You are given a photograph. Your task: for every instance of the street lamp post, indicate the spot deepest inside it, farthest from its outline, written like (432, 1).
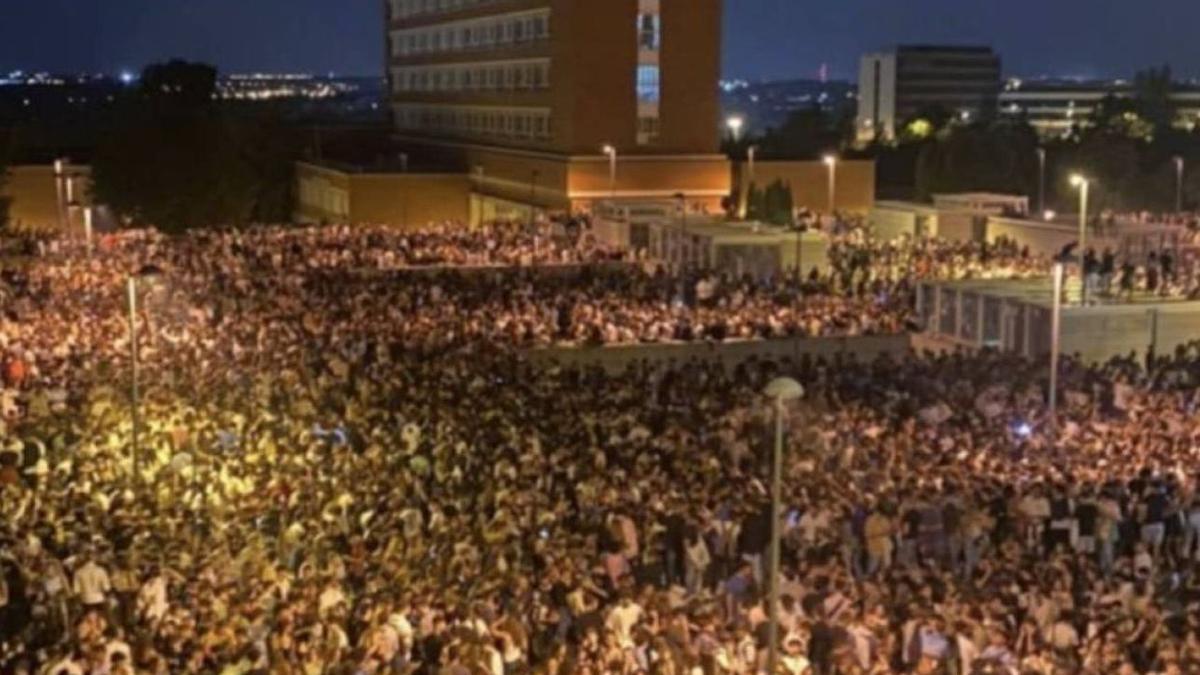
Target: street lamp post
(59, 189)
(1178, 184)
(831, 162)
(404, 192)
(611, 152)
(135, 404)
(748, 182)
(1055, 337)
(1041, 155)
(780, 390)
(1083, 185)
(533, 179)
(87, 229)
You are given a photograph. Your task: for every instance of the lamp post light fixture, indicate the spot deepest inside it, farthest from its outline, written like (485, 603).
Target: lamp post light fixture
(735, 124)
(1178, 184)
(781, 390)
(1082, 184)
(1041, 155)
(87, 228)
(1055, 339)
(150, 275)
(59, 192)
(831, 162)
(611, 152)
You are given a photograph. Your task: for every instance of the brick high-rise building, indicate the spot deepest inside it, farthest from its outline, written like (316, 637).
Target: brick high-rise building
(540, 100)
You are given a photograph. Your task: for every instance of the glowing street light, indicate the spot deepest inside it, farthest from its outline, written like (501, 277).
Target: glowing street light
(831, 161)
(1041, 155)
(1178, 184)
(611, 152)
(735, 124)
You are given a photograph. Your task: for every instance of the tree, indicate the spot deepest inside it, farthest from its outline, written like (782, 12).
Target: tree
(1118, 116)
(1152, 89)
(170, 158)
(754, 203)
(927, 122)
(996, 157)
(179, 87)
(806, 134)
(776, 204)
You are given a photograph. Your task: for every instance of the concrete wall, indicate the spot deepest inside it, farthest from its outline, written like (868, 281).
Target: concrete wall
(617, 357)
(855, 189)
(703, 179)
(1100, 333)
(690, 59)
(956, 226)
(35, 197)
(404, 200)
(594, 56)
(1043, 238)
(410, 200)
(892, 222)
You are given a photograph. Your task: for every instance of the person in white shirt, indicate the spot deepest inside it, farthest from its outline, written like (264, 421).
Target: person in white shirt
(621, 620)
(696, 562)
(91, 584)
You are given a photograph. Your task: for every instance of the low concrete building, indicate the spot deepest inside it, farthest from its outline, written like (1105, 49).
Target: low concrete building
(1016, 316)
(986, 217)
(661, 231)
(332, 193)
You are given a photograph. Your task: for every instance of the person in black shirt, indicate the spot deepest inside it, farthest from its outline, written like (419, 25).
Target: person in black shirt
(1108, 267)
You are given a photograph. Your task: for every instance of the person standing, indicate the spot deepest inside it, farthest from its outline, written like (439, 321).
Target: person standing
(91, 584)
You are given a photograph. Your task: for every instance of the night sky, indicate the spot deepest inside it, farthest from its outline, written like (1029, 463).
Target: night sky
(764, 38)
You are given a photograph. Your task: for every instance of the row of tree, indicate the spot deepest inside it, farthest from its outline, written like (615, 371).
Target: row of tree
(773, 204)
(1130, 145)
(173, 155)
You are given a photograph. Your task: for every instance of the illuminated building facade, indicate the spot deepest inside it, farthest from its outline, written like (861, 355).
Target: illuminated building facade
(540, 100)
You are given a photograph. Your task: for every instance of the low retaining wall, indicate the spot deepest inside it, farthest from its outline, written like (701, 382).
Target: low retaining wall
(553, 271)
(615, 358)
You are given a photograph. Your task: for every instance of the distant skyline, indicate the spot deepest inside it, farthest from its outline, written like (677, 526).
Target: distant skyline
(764, 39)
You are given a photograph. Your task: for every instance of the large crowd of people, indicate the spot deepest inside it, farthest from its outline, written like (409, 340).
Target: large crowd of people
(338, 470)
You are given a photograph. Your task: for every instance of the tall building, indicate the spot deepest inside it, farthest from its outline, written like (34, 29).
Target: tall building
(896, 86)
(560, 104)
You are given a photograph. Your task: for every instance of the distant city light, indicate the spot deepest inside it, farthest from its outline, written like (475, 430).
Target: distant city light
(126, 77)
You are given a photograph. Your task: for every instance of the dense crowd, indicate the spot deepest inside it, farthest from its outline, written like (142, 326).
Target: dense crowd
(339, 472)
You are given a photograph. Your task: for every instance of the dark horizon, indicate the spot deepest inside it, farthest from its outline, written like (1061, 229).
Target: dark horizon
(764, 39)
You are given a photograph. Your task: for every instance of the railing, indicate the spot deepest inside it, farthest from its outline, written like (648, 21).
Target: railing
(615, 358)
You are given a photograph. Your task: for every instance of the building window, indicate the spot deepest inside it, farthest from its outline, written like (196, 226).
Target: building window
(482, 33)
(649, 32)
(516, 75)
(648, 88)
(522, 123)
(647, 132)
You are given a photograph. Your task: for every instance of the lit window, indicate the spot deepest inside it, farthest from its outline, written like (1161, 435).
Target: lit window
(648, 88)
